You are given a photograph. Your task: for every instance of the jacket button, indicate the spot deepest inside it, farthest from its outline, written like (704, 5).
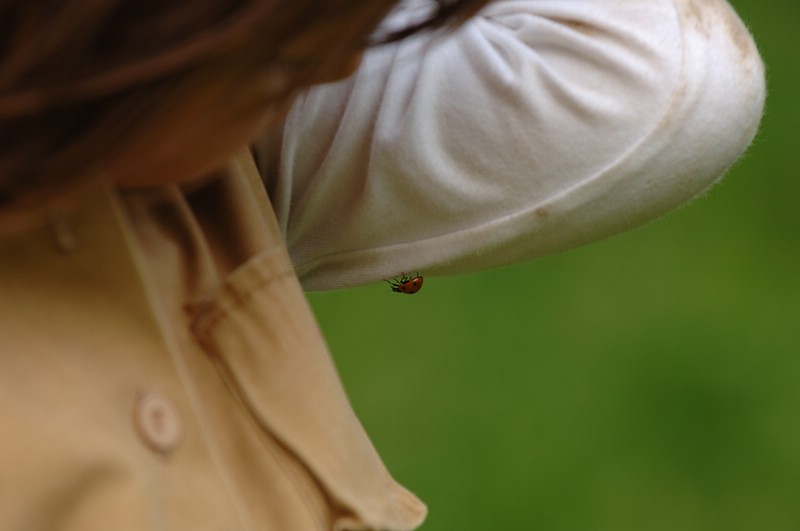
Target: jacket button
(157, 422)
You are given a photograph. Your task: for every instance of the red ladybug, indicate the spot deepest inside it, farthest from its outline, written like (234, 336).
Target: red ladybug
(408, 284)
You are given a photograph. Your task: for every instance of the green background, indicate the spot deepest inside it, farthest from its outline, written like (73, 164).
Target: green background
(647, 382)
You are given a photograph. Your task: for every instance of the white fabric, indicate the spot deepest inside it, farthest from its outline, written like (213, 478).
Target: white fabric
(538, 126)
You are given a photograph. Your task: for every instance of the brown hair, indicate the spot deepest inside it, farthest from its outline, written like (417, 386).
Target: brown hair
(90, 88)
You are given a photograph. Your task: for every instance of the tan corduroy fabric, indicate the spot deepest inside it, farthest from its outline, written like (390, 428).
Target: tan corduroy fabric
(160, 369)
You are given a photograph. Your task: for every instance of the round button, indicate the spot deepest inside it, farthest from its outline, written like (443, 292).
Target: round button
(157, 422)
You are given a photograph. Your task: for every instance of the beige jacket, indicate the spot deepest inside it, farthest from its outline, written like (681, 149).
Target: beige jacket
(160, 369)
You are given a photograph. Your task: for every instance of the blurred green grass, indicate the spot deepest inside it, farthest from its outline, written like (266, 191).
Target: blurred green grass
(648, 382)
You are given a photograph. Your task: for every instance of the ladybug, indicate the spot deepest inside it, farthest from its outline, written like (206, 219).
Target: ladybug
(408, 284)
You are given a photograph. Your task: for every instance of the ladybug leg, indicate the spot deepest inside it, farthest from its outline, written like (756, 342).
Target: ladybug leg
(405, 278)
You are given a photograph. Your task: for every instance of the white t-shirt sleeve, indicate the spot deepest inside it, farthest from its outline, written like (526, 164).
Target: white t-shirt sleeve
(538, 126)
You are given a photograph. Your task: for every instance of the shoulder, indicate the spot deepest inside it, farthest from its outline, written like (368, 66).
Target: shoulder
(538, 126)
